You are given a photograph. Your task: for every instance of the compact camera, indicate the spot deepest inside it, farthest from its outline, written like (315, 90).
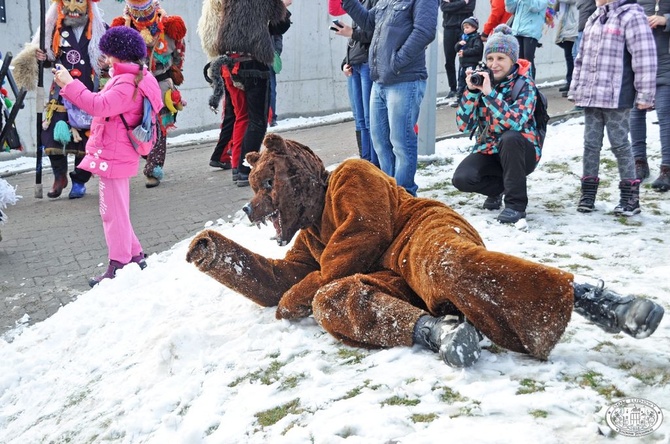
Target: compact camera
(476, 78)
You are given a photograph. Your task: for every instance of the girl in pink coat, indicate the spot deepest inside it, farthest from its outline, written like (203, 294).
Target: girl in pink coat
(109, 152)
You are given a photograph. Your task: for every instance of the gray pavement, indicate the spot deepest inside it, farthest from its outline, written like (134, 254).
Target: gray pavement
(51, 246)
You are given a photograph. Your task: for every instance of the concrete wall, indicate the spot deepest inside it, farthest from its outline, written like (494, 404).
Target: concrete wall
(310, 83)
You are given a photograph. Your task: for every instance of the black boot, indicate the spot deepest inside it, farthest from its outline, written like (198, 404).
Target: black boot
(360, 144)
(457, 342)
(60, 182)
(629, 202)
(587, 200)
(637, 317)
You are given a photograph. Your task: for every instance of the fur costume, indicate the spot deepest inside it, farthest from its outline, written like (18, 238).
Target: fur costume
(166, 48)
(369, 259)
(25, 65)
(208, 26)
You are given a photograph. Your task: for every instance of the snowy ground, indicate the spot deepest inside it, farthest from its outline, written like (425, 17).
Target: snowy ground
(168, 355)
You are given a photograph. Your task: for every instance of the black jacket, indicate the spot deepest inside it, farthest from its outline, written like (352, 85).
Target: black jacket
(359, 43)
(455, 11)
(473, 50)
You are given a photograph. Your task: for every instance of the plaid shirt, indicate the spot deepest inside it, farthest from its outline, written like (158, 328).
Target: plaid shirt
(616, 65)
(489, 116)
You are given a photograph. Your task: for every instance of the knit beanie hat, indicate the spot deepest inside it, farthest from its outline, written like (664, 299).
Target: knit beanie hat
(124, 43)
(502, 40)
(472, 21)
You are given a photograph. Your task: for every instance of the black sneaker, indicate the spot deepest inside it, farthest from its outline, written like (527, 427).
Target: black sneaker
(510, 216)
(222, 165)
(451, 94)
(235, 174)
(493, 202)
(242, 180)
(564, 88)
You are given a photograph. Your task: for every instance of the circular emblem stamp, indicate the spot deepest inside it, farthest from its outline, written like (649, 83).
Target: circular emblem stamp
(634, 417)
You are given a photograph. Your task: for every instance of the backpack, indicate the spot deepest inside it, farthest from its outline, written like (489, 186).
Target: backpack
(541, 116)
(143, 136)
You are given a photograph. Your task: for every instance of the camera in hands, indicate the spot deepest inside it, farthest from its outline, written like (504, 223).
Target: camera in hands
(476, 78)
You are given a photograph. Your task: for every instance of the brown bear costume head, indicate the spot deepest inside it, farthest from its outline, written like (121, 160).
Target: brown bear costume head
(289, 183)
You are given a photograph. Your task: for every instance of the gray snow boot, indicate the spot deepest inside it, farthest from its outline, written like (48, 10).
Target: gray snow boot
(456, 342)
(637, 317)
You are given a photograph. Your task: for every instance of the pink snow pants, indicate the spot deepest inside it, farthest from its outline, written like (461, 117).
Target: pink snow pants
(122, 243)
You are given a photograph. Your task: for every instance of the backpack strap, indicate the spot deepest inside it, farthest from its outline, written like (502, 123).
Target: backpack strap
(516, 89)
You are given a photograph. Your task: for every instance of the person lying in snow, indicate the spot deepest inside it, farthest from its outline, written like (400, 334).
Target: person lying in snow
(378, 268)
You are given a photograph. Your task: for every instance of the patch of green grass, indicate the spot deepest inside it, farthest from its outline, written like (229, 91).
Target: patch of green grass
(539, 413)
(76, 398)
(423, 417)
(494, 349)
(442, 185)
(444, 161)
(211, 429)
(602, 345)
(596, 381)
(556, 167)
(578, 268)
(397, 400)
(270, 417)
(608, 164)
(351, 356)
(291, 381)
(266, 376)
(593, 257)
(451, 396)
(527, 386)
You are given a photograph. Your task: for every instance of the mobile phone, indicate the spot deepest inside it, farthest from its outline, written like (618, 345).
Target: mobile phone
(337, 26)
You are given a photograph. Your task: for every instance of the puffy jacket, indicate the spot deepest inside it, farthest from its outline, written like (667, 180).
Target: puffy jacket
(568, 18)
(529, 16)
(109, 153)
(402, 31)
(488, 116)
(497, 16)
(662, 37)
(617, 37)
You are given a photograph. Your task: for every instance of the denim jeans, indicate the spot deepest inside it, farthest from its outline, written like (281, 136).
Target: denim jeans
(360, 86)
(638, 126)
(394, 110)
(273, 95)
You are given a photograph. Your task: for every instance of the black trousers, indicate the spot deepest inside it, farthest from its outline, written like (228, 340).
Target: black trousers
(256, 83)
(451, 37)
(504, 172)
(527, 47)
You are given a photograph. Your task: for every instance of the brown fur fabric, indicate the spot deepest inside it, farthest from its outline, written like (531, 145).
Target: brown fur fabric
(244, 27)
(370, 259)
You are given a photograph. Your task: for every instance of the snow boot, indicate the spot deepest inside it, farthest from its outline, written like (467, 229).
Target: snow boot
(629, 202)
(637, 317)
(109, 274)
(662, 183)
(140, 260)
(60, 182)
(641, 169)
(360, 144)
(456, 341)
(587, 200)
(78, 190)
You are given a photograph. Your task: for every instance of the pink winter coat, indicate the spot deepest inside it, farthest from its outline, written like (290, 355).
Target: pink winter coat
(109, 153)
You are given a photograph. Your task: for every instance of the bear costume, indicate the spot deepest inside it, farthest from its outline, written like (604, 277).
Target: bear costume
(377, 267)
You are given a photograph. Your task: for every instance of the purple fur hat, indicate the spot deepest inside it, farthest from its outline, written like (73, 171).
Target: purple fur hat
(124, 43)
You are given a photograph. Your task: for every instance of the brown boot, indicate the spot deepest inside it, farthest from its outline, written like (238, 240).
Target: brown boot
(60, 182)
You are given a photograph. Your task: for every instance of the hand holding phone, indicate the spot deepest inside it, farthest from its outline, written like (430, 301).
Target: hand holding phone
(337, 26)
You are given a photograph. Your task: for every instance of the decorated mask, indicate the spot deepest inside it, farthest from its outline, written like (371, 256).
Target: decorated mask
(75, 12)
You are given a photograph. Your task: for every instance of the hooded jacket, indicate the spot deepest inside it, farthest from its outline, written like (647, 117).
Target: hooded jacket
(109, 152)
(488, 116)
(617, 37)
(402, 31)
(529, 16)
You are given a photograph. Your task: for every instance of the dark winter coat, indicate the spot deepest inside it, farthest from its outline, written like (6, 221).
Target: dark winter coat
(454, 12)
(662, 38)
(473, 50)
(402, 31)
(359, 43)
(586, 8)
(244, 27)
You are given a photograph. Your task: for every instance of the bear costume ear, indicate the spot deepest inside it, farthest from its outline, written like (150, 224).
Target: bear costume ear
(252, 158)
(275, 144)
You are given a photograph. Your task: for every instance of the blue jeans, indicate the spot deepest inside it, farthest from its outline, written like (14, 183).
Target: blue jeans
(273, 95)
(638, 126)
(394, 110)
(360, 86)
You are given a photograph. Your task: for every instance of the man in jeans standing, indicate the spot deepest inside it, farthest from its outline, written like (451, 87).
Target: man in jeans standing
(402, 31)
